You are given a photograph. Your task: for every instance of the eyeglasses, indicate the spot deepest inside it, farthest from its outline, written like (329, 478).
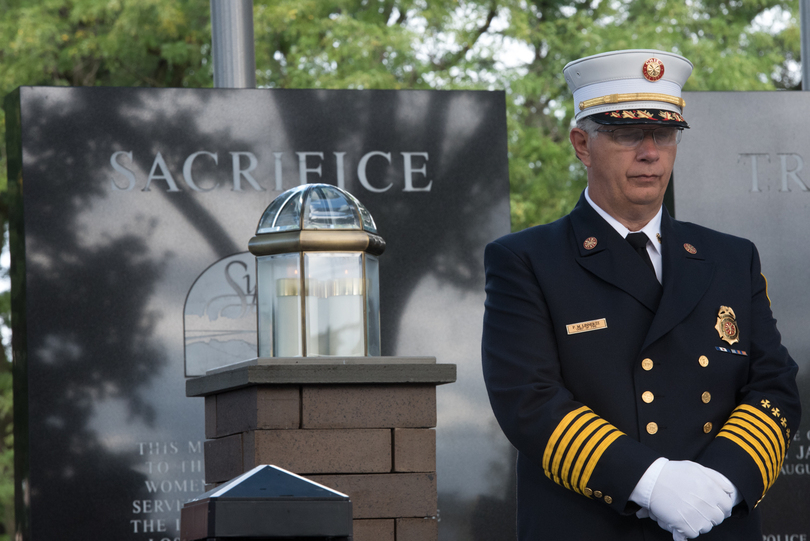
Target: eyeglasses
(632, 137)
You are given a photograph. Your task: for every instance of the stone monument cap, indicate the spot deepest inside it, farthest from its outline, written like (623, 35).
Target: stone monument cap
(267, 502)
(322, 371)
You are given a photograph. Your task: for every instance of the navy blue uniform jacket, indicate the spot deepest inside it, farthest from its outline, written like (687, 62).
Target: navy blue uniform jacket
(590, 411)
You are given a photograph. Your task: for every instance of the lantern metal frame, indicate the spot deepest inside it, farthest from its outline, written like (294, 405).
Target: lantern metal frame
(305, 241)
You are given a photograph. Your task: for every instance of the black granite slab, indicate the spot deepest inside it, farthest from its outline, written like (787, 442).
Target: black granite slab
(131, 211)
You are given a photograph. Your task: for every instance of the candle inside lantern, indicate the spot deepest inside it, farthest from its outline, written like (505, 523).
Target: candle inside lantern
(346, 336)
(279, 316)
(287, 318)
(315, 299)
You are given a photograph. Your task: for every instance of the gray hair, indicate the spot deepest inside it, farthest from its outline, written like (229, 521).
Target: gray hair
(590, 127)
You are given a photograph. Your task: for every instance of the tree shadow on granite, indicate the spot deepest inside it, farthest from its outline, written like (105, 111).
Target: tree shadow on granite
(85, 331)
(440, 232)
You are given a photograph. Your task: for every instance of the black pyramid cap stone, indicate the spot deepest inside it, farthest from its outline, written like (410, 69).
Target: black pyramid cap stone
(271, 482)
(268, 502)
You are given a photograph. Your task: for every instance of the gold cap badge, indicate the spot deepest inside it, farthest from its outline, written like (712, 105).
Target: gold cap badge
(727, 325)
(653, 69)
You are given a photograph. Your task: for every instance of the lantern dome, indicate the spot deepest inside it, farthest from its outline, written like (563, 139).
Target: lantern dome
(316, 217)
(315, 206)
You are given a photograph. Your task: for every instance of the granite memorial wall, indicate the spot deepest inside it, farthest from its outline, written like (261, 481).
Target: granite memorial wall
(740, 169)
(130, 214)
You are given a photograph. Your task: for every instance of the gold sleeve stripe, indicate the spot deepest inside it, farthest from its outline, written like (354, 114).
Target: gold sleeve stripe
(562, 427)
(606, 429)
(576, 447)
(761, 431)
(746, 431)
(756, 428)
(759, 436)
(566, 452)
(768, 421)
(594, 460)
(757, 445)
(747, 448)
(775, 458)
(564, 449)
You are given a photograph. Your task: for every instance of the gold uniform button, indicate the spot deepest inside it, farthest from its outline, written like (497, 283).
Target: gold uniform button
(597, 493)
(707, 428)
(706, 397)
(652, 428)
(588, 492)
(704, 361)
(647, 397)
(647, 364)
(608, 500)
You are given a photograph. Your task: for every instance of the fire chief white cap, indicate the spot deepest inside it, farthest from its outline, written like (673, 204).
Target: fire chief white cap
(636, 86)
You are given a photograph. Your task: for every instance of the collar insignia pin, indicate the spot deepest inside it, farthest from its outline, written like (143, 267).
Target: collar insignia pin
(658, 236)
(590, 243)
(726, 325)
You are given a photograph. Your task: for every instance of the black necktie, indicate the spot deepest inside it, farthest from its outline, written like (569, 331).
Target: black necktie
(639, 242)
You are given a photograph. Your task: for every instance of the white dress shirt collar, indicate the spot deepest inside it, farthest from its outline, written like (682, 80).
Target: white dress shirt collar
(652, 230)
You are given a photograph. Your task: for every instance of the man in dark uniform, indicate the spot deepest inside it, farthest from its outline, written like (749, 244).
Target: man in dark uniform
(632, 359)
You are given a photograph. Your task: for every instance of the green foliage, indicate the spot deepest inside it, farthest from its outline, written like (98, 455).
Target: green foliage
(519, 46)
(93, 42)
(368, 44)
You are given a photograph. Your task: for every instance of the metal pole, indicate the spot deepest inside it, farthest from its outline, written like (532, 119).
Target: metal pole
(804, 28)
(233, 49)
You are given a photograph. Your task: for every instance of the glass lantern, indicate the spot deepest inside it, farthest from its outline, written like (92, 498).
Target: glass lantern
(318, 276)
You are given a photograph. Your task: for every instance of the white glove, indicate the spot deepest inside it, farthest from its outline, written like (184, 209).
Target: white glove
(689, 499)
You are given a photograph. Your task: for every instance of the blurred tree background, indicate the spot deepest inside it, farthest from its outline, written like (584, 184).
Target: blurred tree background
(519, 46)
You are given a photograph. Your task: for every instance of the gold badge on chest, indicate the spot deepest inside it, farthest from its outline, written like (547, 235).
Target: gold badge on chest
(727, 325)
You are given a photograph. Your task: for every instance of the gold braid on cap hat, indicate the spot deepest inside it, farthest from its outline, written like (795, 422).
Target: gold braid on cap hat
(640, 96)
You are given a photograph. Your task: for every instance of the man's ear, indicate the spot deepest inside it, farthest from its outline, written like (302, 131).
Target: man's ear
(579, 140)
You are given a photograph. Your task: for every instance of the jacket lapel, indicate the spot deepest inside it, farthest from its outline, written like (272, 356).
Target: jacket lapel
(686, 277)
(612, 258)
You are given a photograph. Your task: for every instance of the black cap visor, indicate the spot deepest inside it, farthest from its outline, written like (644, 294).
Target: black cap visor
(627, 117)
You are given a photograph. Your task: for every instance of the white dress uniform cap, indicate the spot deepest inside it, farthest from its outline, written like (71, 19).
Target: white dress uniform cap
(635, 82)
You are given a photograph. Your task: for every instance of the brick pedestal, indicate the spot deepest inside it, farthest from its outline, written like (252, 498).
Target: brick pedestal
(362, 426)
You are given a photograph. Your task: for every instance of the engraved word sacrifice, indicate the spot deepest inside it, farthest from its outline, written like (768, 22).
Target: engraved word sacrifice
(236, 169)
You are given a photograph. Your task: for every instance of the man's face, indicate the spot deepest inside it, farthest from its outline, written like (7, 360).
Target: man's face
(629, 183)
